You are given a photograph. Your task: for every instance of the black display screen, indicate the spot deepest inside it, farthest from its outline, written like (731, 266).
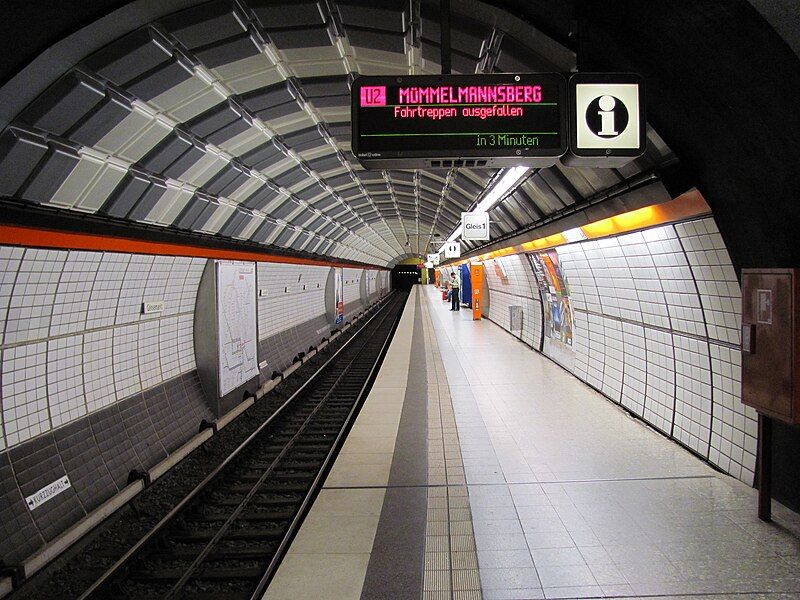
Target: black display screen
(517, 116)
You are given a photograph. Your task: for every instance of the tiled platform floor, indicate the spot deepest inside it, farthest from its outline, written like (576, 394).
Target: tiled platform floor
(556, 491)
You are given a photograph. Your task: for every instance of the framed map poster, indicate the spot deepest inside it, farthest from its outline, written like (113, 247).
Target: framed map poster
(236, 324)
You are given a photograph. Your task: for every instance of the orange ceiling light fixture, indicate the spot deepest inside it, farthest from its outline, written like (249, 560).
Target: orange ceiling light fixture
(635, 219)
(600, 228)
(688, 205)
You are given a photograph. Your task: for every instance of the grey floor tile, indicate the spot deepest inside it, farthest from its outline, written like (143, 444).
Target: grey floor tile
(494, 559)
(496, 526)
(538, 512)
(607, 574)
(566, 575)
(509, 578)
(584, 537)
(485, 478)
(521, 500)
(535, 593)
(489, 491)
(595, 555)
(553, 557)
(490, 501)
(549, 539)
(542, 525)
(494, 541)
(517, 476)
(586, 591)
(490, 513)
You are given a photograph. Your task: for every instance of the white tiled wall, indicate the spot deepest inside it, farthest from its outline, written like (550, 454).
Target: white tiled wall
(33, 297)
(372, 284)
(716, 280)
(24, 392)
(295, 294)
(634, 374)
(657, 317)
(692, 393)
(74, 338)
(383, 282)
(352, 281)
(517, 288)
(734, 428)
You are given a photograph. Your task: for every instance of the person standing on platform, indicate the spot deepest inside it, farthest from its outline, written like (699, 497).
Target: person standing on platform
(454, 285)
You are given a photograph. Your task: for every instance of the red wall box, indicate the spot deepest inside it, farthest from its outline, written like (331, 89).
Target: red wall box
(771, 342)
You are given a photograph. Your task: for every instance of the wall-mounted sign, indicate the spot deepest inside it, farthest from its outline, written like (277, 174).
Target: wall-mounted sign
(433, 258)
(452, 249)
(48, 492)
(445, 121)
(428, 265)
(764, 307)
(237, 335)
(474, 226)
(607, 123)
(153, 306)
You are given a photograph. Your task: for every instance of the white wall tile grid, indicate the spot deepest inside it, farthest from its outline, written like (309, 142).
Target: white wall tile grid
(720, 295)
(657, 316)
(734, 426)
(517, 288)
(292, 315)
(295, 294)
(74, 338)
(352, 280)
(383, 279)
(614, 357)
(374, 284)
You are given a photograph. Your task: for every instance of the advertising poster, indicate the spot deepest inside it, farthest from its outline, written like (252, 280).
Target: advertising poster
(338, 286)
(500, 271)
(558, 314)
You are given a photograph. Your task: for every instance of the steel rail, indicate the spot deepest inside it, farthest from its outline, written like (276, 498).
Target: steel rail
(200, 487)
(323, 471)
(192, 568)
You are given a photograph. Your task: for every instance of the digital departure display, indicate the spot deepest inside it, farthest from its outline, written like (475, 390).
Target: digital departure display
(484, 120)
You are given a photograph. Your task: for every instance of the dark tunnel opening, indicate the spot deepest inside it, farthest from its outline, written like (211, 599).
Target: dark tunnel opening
(405, 276)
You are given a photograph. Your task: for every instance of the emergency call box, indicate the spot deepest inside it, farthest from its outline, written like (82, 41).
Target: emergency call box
(771, 342)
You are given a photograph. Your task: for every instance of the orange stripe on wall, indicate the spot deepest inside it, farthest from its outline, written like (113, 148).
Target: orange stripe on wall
(12, 235)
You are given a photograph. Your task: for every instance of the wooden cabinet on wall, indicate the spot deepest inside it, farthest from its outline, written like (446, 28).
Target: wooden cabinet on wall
(771, 342)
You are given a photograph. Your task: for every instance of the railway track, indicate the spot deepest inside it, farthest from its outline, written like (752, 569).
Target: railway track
(226, 537)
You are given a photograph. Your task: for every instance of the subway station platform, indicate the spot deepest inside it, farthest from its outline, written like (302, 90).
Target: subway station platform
(480, 469)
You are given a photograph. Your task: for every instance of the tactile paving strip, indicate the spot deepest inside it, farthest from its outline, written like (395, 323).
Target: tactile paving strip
(451, 562)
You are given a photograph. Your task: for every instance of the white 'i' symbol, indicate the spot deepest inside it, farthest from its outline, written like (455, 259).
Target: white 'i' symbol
(606, 113)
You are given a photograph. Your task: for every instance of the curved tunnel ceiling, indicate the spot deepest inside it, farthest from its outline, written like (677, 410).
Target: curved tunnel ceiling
(231, 119)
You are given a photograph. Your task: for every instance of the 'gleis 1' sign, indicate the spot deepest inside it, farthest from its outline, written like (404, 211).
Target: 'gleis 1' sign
(474, 226)
(475, 120)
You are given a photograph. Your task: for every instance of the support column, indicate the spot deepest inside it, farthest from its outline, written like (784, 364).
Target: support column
(764, 468)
